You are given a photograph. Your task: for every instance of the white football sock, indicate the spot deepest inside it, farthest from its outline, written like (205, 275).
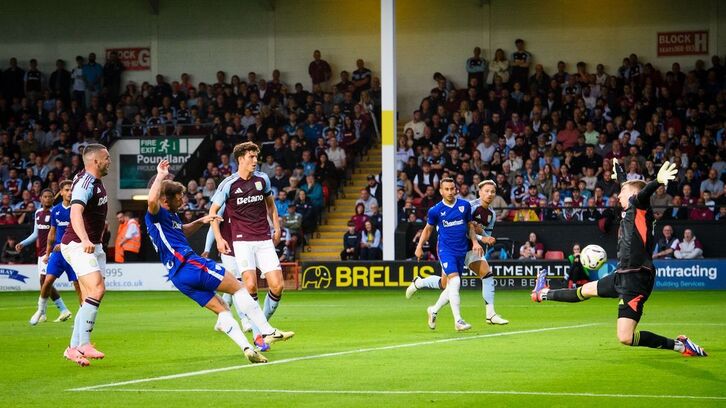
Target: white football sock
(442, 301)
(230, 327)
(227, 299)
(88, 319)
(452, 287)
(432, 282)
(487, 292)
(252, 309)
(76, 335)
(60, 304)
(42, 305)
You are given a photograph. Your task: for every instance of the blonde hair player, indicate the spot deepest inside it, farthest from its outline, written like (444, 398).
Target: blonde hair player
(484, 218)
(634, 275)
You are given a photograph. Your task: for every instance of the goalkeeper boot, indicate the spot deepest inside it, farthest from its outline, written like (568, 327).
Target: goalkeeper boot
(540, 284)
(691, 349)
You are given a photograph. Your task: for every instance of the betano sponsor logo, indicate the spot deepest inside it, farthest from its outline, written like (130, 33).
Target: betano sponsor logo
(250, 199)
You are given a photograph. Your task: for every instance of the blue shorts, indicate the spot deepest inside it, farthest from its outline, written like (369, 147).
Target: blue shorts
(57, 265)
(198, 278)
(452, 263)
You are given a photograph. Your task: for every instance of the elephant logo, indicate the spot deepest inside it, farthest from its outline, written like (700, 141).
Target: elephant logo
(318, 277)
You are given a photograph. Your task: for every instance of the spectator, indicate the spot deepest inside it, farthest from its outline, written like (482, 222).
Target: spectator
(374, 188)
(128, 238)
(689, 248)
(499, 67)
(93, 76)
(376, 217)
(660, 200)
(112, 76)
(676, 211)
(304, 205)
(666, 245)
(367, 200)
(416, 124)
(360, 217)
(351, 243)
(712, 184)
(361, 78)
(370, 243)
(314, 192)
(578, 275)
(477, 67)
(285, 249)
(281, 202)
(521, 60)
(319, 69)
(701, 212)
(10, 253)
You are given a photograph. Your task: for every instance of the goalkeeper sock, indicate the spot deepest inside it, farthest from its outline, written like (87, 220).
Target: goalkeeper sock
(564, 295)
(487, 292)
(230, 327)
(432, 282)
(652, 340)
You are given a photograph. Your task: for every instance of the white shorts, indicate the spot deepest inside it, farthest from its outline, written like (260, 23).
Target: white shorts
(42, 266)
(230, 264)
(251, 255)
(84, 263)
(472, 257)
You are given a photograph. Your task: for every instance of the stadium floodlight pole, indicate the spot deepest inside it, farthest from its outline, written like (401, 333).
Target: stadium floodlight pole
(388, 128)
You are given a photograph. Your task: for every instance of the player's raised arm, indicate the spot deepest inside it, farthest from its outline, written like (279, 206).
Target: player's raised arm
(618, 172)
(666, 173)
(162, 170)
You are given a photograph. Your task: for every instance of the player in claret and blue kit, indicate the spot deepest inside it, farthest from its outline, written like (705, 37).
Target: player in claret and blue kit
(60, 218)
(198, 277)
(452, 219)
(634, 275)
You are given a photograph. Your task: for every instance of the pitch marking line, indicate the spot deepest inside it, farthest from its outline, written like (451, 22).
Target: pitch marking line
(326, 355)
(423, 392)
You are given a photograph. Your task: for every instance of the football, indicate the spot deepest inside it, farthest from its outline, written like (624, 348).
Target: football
(593, 257)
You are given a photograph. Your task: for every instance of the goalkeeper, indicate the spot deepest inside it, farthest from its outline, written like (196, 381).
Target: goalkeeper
(634, 276)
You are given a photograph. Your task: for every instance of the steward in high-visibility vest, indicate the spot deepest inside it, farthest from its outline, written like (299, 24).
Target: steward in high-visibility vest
(128, 239)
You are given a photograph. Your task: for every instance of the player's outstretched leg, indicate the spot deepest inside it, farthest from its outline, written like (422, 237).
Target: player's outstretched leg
(629, 335)
(229, 326)
(431, 282)
(602, 288)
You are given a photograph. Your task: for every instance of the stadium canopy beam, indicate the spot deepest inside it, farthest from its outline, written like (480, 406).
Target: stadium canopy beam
(154, 6)
(388, 128)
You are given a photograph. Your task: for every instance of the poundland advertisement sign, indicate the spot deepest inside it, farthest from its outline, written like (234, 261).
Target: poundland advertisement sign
(358, 275)
(137, 160)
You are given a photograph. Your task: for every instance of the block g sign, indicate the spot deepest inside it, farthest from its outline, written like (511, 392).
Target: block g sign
(342, 275)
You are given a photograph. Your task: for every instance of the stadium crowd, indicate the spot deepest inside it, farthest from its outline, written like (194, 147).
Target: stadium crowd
(549, 139)
(309, 137)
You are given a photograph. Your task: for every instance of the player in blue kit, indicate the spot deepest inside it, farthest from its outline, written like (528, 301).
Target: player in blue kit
(60, 217)
(452, 219)
(198, 277)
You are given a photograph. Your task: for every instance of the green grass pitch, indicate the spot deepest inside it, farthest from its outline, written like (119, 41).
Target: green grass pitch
(344, 334)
